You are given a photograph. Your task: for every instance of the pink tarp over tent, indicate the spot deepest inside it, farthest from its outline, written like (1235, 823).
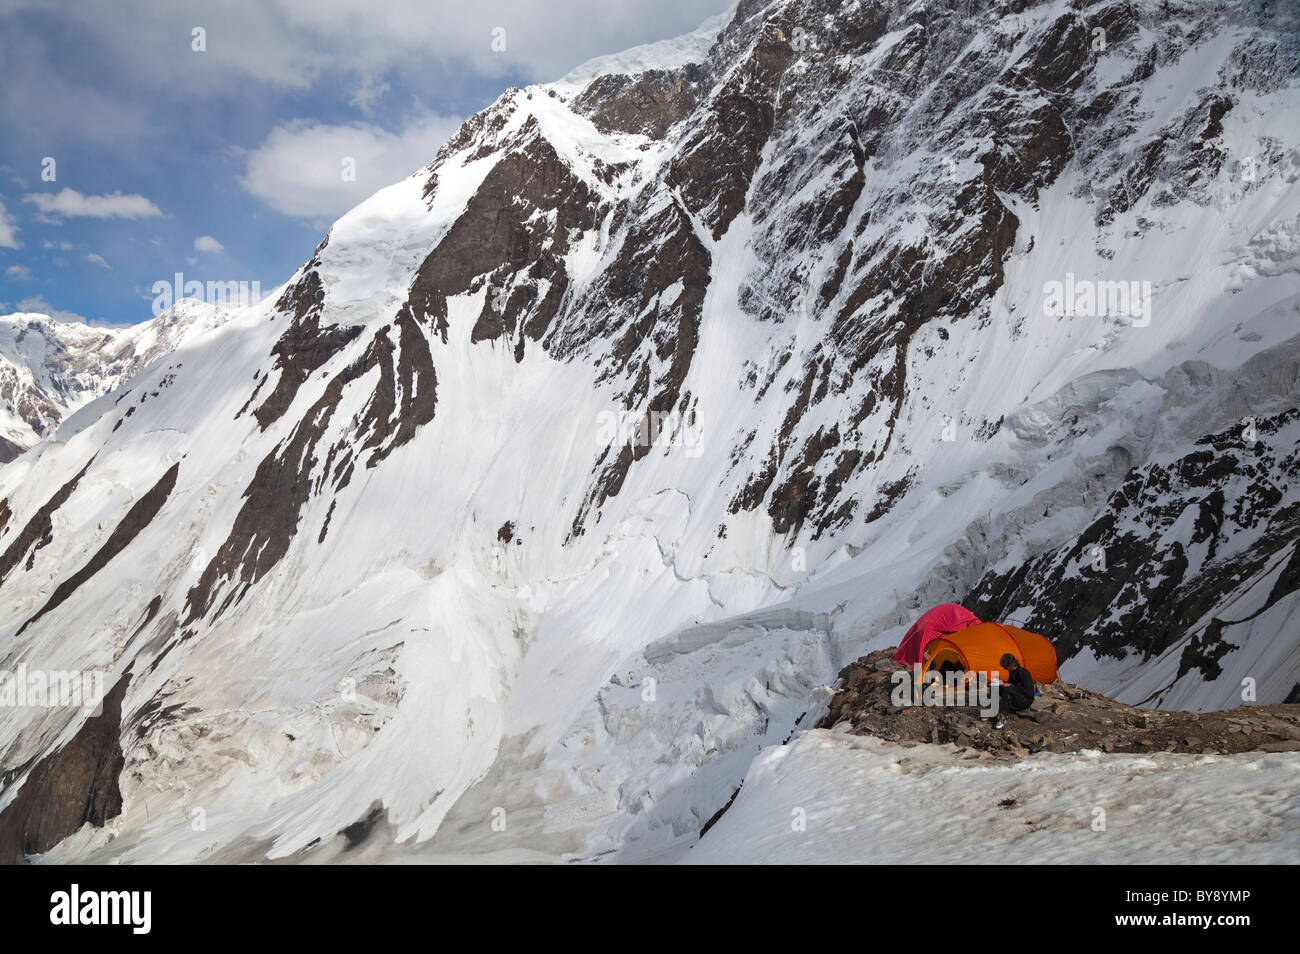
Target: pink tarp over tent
(940, 621)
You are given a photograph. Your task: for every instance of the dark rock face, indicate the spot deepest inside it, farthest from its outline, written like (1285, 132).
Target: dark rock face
(356, 833)
(303, 348)
(9, 450)
(140, 515)
(654, 353)
(1013, 128)
(72, 786)
(404, 399)
(649, 103)
(513, 237)
(1176, 162)
(37, 532)
(713, 170)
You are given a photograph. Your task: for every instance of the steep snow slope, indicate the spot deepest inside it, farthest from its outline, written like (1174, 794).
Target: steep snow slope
(48, 368)
(376, 555)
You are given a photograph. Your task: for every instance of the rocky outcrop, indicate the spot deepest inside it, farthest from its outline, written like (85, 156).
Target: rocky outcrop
(140, 515)
(512, 238)
(1064, 718)
(648, 103)
(74, 785)
(404, 398)
(38, 531)
(303, 347)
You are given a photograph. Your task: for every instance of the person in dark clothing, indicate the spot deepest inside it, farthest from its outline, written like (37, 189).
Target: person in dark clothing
(1017, 693)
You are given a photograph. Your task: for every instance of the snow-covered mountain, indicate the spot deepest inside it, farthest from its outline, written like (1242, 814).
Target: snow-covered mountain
(50, 368)
(568, 471)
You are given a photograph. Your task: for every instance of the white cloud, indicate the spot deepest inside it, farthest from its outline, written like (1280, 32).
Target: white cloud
(38, 305)
(299, 169)
(7, 231)
(64, 245)
(71, 203)
(290, 43)
(20, 272)
(96, 259)
(370, 90)
(279, 48)
(206, 243)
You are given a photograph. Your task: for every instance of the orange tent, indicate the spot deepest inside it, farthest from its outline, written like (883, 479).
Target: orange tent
(979, 649)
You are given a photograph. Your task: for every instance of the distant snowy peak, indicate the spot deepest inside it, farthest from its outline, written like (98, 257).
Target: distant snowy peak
(50, 368)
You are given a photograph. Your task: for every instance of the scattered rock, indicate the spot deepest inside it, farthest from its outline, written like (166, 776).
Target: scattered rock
(1291, 745)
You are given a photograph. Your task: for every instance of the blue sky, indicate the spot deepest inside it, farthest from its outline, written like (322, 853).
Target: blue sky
(224, 163)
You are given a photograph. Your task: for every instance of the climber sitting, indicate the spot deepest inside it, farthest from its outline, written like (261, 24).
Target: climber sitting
(1017, 693)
